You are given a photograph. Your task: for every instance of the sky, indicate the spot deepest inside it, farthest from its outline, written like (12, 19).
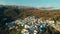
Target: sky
(34, 3)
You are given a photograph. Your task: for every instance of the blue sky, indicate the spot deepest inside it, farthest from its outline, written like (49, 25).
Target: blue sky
(54, 3)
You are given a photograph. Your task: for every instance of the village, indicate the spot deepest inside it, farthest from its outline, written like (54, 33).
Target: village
(31, 25)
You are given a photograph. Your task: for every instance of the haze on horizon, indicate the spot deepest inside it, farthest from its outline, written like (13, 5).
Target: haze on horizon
(34, 3)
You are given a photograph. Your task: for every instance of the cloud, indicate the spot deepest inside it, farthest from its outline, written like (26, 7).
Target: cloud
(49, 6)
(2, 3)
(45, 7)
(6, 2)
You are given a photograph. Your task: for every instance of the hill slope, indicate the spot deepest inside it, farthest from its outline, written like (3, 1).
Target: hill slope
(11, 13)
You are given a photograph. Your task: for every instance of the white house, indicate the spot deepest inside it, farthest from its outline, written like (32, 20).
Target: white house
(35, 31)
(26, 26)
(24, 31)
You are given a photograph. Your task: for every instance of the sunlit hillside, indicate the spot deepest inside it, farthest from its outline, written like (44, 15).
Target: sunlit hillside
(9, 14)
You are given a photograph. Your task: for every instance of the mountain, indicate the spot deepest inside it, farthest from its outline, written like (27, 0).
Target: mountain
(11, 13)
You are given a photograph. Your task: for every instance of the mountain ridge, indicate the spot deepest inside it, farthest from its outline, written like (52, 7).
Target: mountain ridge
(15, 12)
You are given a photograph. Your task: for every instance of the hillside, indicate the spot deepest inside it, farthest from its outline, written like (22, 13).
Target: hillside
(11, 13)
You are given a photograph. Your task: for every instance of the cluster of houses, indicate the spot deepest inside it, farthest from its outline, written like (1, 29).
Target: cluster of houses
(31, 24)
